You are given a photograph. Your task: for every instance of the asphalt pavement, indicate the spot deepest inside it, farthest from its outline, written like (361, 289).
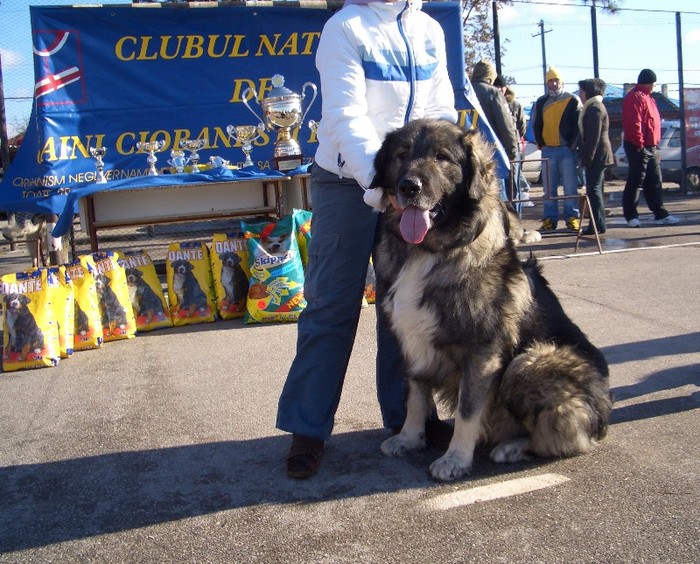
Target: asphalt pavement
(163, 448)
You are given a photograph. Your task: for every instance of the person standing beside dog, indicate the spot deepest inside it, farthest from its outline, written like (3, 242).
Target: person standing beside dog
(641, 128)
(595, 151)
(555, 127)
(520, 121)
(381, 64)
(496, 112)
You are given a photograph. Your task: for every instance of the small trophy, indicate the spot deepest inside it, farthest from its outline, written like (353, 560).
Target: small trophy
(98, 153)
(178, 160)
(218, 162)
(151, 147)
(193, 145)
(245, 135)
(282, 109)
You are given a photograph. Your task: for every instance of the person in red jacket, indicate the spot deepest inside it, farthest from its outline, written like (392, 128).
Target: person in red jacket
(641, 125)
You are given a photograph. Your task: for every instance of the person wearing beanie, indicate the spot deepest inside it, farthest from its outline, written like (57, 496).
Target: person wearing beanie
(495, 111)
(520, 123)
(641, 130)
(646, 76)
(555, 127)
(595, 151)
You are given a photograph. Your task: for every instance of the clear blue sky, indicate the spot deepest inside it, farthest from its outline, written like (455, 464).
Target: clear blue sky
(642, 35)
(627, 42)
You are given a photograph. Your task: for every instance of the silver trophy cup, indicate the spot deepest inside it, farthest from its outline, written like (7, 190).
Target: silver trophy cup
(178, 160)
(98, 153)
(193, 145)
(151, 147)
(282, 110)
(245, 135)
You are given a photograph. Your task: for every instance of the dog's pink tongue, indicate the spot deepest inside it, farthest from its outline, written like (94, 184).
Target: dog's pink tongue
(414, 224)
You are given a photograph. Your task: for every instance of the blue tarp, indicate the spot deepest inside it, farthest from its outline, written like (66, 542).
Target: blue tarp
(112, 76)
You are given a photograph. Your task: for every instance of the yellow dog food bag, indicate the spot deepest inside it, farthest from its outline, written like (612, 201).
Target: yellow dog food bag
(113, 298)
(145, 291)
(229, 267)
(87, 333)
(63, 305)
(190, 286)
(30, 332)
(276, 290)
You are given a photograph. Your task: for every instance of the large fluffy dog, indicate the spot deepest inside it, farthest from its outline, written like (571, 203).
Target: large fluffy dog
(477, 327)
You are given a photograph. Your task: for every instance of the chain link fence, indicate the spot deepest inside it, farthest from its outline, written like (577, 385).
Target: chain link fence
(531, 35)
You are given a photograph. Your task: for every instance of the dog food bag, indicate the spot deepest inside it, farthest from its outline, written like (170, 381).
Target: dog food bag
(229, 268)
(190, 285)
(63, 305)
(30, 332)
(302, 230)
(87, 332)
(118, 320)
(145, 292)
(276, 290)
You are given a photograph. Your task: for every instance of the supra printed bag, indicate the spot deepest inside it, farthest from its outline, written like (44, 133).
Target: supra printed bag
(276, 291)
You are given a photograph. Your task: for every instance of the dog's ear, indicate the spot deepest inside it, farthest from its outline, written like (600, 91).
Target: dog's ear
(382, 162)
(24, 300)
(478, 166)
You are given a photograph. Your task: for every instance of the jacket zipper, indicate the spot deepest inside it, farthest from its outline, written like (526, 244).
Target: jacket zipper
(411, 65)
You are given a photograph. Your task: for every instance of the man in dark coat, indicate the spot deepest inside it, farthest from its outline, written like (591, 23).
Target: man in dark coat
(495, 108)
(595, 150)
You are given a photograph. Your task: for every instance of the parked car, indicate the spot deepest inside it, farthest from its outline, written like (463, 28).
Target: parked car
(669, 154)
(532, 165)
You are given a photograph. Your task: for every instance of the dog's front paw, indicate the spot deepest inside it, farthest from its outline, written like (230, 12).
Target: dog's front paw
(513, 450)
(451, 466)
(400, 444)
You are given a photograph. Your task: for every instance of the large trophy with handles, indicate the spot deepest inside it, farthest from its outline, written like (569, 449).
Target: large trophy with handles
(282, 110)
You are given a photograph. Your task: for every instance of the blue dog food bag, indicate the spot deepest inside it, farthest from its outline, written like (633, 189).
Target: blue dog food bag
(276, 290)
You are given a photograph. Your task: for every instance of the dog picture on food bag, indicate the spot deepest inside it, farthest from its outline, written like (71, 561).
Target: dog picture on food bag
(478, 328)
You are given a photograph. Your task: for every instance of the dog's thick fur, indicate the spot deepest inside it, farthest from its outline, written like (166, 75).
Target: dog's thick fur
(477, 327)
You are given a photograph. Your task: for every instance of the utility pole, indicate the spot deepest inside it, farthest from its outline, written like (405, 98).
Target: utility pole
(544, 54)
(594, 36)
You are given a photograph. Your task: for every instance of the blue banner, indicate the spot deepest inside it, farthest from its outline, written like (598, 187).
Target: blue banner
(114, 76)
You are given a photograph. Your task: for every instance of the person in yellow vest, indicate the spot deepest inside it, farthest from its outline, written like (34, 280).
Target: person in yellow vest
(555, 127)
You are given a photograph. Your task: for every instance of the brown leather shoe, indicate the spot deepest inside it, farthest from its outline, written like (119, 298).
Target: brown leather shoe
(304, 457)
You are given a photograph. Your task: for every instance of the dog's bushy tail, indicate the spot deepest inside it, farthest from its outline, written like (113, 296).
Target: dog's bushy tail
(560, 397)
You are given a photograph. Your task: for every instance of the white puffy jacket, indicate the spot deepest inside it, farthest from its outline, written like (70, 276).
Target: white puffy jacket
(381, 65)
